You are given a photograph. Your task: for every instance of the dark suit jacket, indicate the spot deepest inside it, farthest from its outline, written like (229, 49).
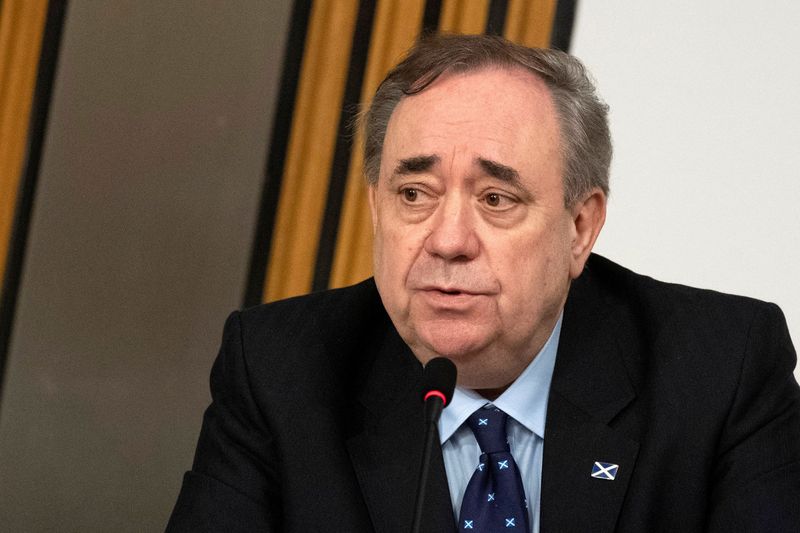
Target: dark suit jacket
(316, 422)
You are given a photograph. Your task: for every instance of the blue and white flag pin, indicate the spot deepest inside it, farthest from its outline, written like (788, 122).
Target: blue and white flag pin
(607, 471)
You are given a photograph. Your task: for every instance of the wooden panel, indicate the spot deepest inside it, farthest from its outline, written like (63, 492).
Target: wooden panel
(464, 16)
(396, 25)
(530, 22)
(310, 151)
(21, 29)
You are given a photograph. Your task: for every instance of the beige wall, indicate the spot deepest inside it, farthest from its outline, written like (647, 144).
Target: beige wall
(706, 124)
(139, 246)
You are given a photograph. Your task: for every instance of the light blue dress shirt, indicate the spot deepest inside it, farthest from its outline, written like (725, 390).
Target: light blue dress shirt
(525, 402)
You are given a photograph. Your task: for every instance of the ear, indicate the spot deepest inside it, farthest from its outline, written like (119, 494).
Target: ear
(372, 191)
(588, 217)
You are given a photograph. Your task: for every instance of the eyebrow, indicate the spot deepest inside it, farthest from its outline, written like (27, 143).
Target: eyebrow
(416, 164)
(423, 163)
(499, 171)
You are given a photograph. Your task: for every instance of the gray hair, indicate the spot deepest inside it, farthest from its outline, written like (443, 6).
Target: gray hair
(583, 117)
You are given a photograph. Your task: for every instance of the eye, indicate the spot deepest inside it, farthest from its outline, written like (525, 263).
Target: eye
(493, 199)
(498, 202)
(410, 195)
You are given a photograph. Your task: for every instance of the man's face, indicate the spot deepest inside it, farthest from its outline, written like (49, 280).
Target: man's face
(474, 248)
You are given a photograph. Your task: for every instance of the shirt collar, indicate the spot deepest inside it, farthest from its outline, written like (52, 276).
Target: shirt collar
(525, 400)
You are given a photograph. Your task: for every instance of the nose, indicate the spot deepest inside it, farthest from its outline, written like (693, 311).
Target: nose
(452, 235)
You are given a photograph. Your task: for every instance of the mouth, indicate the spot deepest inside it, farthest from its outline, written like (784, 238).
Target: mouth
(451, 299)
(452, 291)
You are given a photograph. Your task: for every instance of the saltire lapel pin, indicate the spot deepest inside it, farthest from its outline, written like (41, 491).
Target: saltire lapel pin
(607, 471)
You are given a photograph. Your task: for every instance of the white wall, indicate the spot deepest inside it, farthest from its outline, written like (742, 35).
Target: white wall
(705, 115)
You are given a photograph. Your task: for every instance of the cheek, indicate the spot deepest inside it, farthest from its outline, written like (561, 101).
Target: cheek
(395, 249)
(532, 270)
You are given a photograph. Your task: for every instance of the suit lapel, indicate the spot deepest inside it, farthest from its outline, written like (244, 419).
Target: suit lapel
(590, 388)
(386, 445)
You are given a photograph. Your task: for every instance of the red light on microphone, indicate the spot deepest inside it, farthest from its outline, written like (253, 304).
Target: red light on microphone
(435, 393)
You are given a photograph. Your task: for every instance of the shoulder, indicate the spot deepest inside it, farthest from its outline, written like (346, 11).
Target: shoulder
(670, 305)
(313, 339)
(669, 333)
(314, 315)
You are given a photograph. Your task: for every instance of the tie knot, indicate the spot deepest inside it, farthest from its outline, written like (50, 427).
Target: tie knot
(489, 426)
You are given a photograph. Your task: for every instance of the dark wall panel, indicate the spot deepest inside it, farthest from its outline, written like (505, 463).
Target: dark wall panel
(138, 248)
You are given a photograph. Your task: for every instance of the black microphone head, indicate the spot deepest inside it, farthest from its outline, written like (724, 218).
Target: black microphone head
(439, 375)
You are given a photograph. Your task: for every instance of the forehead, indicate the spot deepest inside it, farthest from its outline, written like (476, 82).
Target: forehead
(505, 115)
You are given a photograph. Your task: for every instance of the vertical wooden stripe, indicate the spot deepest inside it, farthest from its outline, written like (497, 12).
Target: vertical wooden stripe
(310, 152)
(344, 145)
(276, 158)
(21, 30)
(530, 22)
(464, 16)
(397, 24)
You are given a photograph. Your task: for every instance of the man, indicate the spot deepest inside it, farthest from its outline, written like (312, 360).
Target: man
(628, 404)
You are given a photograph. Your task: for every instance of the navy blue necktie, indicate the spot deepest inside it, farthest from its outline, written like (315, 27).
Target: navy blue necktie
(495, 498)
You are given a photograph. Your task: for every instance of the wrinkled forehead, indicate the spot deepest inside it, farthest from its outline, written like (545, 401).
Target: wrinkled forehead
(501, 114)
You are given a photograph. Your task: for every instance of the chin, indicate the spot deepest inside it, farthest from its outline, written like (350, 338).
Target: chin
(453, 342)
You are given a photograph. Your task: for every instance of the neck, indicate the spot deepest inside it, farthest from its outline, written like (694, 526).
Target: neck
(492, 394)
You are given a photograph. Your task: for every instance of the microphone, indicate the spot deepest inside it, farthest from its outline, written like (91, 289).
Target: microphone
(438, 383)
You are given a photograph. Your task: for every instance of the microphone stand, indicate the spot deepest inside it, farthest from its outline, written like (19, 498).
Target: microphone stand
(433, 410)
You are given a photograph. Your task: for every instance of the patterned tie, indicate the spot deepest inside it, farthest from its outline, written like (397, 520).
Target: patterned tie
(494, 499)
